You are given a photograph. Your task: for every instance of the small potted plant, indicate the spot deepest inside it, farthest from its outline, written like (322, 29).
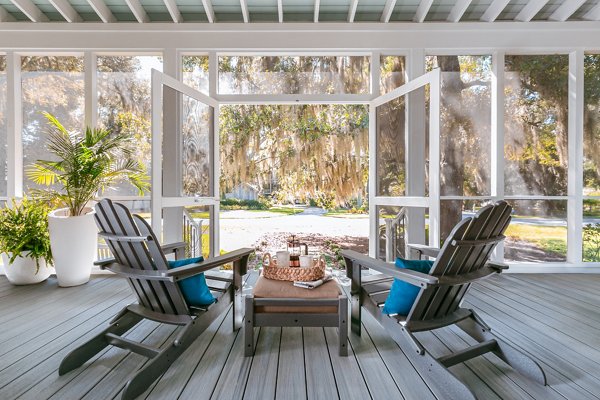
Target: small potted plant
(25, 242)
(85, 164)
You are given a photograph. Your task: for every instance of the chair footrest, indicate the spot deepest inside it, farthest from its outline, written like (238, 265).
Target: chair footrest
(468, 353)
(136, 347)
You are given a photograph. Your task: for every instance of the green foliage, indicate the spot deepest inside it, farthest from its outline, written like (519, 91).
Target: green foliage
(237, 204)
(335, 253)
(326, 199)
(24, 231)
(87, 165)
(591, 242)
(298, 152)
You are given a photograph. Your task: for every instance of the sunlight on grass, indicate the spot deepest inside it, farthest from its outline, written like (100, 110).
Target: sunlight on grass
(548, 238)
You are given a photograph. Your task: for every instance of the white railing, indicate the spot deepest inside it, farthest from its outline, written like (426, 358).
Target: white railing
(392, 237)
(192, 235)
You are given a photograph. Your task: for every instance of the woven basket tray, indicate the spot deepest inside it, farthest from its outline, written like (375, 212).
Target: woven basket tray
(293, 274)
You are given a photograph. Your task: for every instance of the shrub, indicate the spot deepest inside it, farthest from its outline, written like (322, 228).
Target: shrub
(591, 242)
(24, 231)
(237, 204)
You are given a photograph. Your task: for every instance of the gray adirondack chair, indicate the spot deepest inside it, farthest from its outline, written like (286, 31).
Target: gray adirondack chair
(462, 260)
(139, 257)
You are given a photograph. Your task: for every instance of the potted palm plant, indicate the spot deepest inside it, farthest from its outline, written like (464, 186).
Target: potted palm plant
(86, 164)
(24, 242)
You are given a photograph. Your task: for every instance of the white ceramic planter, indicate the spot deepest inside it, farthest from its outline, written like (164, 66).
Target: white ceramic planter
(74, 242)
(22, 270)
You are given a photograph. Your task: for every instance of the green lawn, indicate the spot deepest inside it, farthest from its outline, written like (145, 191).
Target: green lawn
(344, 213)
(281, 210)
(548, 238)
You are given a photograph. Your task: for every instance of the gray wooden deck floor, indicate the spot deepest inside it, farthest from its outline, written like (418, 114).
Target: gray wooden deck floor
(556, 318)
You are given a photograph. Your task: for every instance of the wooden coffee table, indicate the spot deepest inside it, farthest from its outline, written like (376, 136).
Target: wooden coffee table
(280, 303)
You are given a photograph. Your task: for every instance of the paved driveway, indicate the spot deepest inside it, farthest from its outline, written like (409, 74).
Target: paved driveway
(243, 228)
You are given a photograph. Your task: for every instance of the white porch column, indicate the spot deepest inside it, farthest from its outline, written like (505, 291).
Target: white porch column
(497, 138)
(575, 171)
(14, 115)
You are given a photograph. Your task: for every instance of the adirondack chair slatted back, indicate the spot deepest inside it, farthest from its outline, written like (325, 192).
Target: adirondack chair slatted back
(158, 296)
(466, 250)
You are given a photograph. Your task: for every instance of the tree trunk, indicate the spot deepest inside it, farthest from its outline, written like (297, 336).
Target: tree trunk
(452, 157)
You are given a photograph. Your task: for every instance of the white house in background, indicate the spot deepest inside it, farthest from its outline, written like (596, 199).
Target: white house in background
(244, 191)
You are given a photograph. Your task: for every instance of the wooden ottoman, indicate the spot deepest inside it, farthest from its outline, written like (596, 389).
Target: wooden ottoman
(280, 303)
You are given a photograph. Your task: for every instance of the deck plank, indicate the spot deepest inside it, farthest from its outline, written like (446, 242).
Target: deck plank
(320, 381)
(234, 374)
(378, 378)
(348, 375)
(553, 354)
(481, 388)
(262, 379)
(290, 372)
(43, 330)
(554, 318)
(113, 383)
(199, 359)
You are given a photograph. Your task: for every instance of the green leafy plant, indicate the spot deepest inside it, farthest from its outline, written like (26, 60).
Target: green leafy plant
(591, 242)
(87, 164)
(24, 231)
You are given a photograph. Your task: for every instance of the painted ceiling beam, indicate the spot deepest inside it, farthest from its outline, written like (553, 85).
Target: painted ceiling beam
(173, 11)
(388, 10)
(66, 10)
(30, 10)
(138, 11)
(530, 10)
(494, 10)
(208, 9)
(565, 10)
(422, 10)
(245, 14)
(102, 10)
(280, 10)
(352, 10)
(459, 9)
(593, 14)
(317, 6)
(5, 16)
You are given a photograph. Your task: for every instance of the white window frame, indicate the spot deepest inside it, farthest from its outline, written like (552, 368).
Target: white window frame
(572, 33)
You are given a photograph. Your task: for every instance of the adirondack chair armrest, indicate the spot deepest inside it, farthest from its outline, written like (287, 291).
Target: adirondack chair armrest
(416, 251)
(498, 266)
(104, 262)
(412, 277)
(178, 248)
(134, 273)
(240, 255)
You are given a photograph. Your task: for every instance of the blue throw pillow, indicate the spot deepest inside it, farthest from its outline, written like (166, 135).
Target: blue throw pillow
(194, 289)
(403, 294)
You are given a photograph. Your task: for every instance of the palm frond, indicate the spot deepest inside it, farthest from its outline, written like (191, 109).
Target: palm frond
(87, 164)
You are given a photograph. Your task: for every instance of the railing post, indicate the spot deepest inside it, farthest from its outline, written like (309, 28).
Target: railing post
(389, 239)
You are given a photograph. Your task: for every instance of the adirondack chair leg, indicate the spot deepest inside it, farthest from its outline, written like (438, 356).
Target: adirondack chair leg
(83, 353)
(249, 327)
(449, 385)
(159, 364)
(343, 326)
(353, 272)
(521, 362)
(239, 270)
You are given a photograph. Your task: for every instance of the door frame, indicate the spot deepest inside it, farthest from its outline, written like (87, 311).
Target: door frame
(157, 200)
(430, 201)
